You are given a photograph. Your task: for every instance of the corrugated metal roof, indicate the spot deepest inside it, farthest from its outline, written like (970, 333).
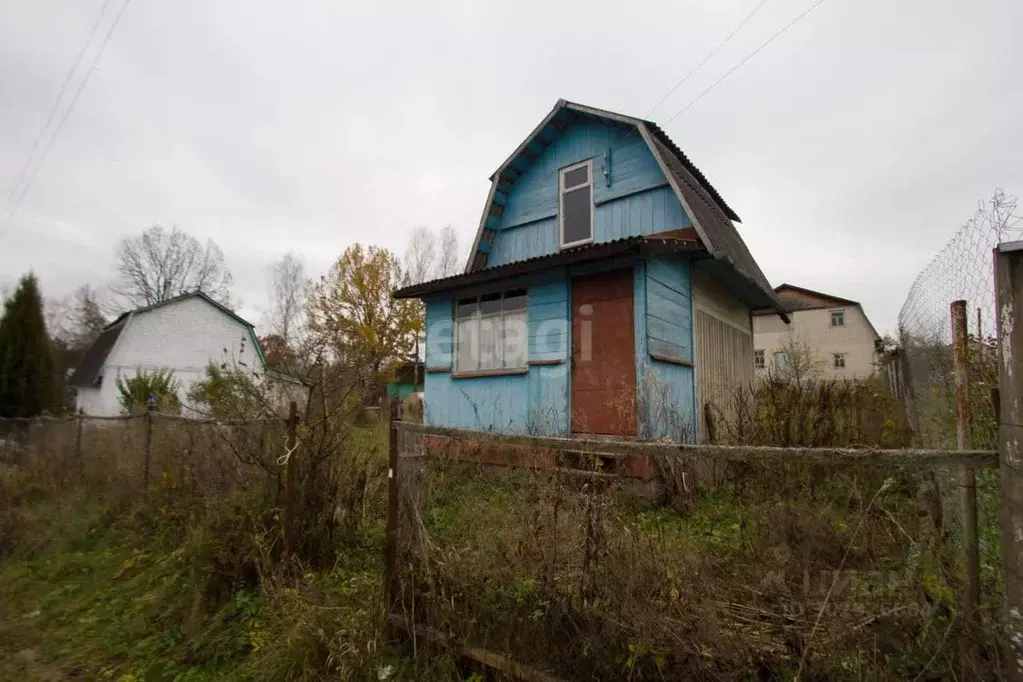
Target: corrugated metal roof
(578, 254)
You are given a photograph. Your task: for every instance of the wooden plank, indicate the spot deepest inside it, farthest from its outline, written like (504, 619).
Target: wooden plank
(665, 331)
(663, 291)
(488, 658)
(1009, 308)
(667, 349)
(977, 459)
(672, 359)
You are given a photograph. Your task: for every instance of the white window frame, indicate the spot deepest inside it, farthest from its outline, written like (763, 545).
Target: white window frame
(477, 351)
(759, 358)
(837, 358)
(841, 316)
(561, 201)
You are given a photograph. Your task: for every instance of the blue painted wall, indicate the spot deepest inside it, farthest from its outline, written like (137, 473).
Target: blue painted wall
(663, 309)
(536, 402)
(637, 201)
(539, 402)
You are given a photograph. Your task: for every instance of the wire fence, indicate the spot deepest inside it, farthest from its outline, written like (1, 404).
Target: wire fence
(962, 271)
(133, 453)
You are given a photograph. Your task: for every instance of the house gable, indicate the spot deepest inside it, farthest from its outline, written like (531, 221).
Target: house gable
(185, 335)
(631, 195)
(654, 189)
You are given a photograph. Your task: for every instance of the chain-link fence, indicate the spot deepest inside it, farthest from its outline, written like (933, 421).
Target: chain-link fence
(963, 270)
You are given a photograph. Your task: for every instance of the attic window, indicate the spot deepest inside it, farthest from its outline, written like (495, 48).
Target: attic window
(576, 204)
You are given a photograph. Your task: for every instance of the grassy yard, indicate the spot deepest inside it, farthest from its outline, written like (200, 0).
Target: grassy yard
(92, 587)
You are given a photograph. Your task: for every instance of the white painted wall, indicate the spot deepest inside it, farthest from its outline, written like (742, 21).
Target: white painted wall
(813, 329)
(184, 337)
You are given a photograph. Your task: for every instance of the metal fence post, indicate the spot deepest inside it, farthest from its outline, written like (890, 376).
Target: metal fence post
(290, 480)
(391, 583)
(1009, 317)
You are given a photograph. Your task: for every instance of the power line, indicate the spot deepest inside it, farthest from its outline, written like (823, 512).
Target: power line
(67, 113)
(745, 59)
(708, 57)
(56, 105)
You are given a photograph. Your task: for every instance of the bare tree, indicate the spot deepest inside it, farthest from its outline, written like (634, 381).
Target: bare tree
(421, 256)
(450, 261)
(160, 264)
(287, 286)
(798, 362)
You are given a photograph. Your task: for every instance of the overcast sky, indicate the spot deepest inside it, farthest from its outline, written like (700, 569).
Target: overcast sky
(853, 146)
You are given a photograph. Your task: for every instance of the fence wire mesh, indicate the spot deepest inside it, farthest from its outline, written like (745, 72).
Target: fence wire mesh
(925, 361)
(132, 453)
(963, 270)
(682, 568)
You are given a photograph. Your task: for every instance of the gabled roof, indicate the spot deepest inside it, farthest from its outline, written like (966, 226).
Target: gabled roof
(711, 216)
(181, 297)
(89, 369)
(794, 304)
(827, 300)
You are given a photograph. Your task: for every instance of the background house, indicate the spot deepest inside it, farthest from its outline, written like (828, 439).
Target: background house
(607, 291)
(828, 337)
(182, 335)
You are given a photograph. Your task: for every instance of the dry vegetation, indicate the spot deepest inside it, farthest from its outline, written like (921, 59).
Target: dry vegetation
(760, 572)
(757, 572)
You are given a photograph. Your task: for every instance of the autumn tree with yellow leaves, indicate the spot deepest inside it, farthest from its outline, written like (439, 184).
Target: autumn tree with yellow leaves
(352, 317)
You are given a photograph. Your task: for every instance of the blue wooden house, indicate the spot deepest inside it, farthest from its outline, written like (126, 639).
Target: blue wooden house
(607, 291)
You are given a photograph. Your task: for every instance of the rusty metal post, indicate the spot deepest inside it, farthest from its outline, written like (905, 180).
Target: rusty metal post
(290, 480)
(1009, 320)
(964, 441)
(392, 585)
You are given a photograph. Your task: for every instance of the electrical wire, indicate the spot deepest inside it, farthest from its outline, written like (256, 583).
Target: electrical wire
(707, 58)
(56, 105)
(744, 60)
(67, 114)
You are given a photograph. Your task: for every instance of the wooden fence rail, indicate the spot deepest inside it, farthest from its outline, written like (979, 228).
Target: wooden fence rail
(973, 459)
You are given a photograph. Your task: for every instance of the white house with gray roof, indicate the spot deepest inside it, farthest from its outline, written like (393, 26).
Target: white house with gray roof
(182, 335)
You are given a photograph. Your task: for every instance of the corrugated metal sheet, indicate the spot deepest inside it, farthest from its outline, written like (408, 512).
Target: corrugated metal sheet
(724, 365)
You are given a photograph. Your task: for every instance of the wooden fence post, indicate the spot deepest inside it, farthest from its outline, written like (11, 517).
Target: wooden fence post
(392, 585)
(79, 462)
(1009, 316)
(149, 448)
(290, 476)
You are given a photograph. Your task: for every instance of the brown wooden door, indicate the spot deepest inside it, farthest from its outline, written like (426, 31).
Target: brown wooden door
(603, 354)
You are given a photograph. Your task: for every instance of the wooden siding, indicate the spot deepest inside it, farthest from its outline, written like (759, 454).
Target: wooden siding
(439, 331)
(634, 200)
(547, 311)
(669, 308)
(666, 390)
(724, 364)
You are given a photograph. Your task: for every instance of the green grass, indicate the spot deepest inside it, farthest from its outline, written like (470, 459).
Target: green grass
(96, 601)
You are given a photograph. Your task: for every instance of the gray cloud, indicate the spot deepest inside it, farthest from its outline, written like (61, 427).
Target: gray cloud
(853, 146)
